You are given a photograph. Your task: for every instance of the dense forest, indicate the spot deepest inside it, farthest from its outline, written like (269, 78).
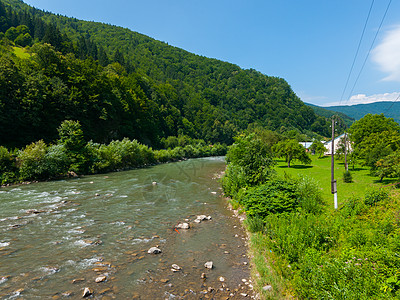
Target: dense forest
(118, 83)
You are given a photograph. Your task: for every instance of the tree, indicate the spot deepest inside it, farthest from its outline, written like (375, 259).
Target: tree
(370, 124)
(388, 166)
(291, 150)
(249, 163)
(71, 137)
(318, 147)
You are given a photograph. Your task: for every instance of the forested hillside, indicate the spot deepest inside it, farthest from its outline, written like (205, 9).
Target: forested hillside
(119, 83)
(329, 112)
(391, 109)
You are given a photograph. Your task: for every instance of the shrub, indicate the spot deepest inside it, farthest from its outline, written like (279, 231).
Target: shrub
(274, 196)
(8, 168)
(353, 207)
(31, 159)
(55, 161)
(374, 196)
(310, 197)
(347, 177)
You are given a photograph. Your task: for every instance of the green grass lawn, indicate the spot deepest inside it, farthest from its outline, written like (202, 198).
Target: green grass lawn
(320, 170)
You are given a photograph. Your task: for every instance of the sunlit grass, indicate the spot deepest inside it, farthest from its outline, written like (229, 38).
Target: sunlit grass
(320, 170)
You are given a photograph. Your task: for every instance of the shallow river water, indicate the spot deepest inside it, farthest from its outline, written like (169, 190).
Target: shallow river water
(57, 238)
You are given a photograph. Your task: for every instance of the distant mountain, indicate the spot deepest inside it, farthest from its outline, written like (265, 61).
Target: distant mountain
(327, 113)
(389, 108)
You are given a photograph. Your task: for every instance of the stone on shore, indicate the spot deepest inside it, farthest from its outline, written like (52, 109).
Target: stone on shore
(208, 265)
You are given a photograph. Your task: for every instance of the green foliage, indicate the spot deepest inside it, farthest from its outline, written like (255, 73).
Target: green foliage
(71, 137)
(255, 224)
(119, 84)
(8, 168)
(310, 198)
(347, 177)
(249, 163)
(276, 196)
(352, 207)
(291, 150)
(318, 147)
(372, 197)
(370, 124)
(388, 166)
(31, 159)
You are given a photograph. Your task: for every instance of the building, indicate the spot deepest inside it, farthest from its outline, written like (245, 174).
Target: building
(337, 142)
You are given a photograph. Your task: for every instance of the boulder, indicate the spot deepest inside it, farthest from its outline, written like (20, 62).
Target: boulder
(154, 250)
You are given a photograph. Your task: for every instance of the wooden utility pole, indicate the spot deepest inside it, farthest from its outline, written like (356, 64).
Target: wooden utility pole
(333, 181)
(346, 165)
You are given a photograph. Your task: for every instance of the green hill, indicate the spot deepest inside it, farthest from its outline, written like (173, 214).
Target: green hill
(120, 83)
(327, 113)
(389, 108)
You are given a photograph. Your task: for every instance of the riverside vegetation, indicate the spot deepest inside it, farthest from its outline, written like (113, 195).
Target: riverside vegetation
(301, 247)
(72, 155)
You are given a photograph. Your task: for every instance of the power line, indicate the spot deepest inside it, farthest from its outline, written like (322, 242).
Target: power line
(369, 51)
(398, 97)
(358, 49)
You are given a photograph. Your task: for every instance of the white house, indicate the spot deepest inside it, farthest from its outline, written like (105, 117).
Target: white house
(337, 142)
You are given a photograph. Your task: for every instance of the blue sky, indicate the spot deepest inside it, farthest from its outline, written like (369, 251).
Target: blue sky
(309, 43)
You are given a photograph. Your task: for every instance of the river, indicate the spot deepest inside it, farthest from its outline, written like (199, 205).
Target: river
(59, 237)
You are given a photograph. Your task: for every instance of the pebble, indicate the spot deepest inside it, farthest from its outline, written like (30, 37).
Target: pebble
(222, 279)
(267, 288)
(208, 265)
(101, 279)
(87, 292)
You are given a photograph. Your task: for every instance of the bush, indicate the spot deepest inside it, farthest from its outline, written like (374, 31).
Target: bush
(8, 168)
(55, 162)
(347, 177)
(353, 207)
(31, 159)
(310, 197)
(274, 196)
(374, 196)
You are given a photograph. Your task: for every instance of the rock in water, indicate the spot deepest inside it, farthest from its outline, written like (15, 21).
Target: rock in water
(183, 226)
(101, 279)
(208, 265)
(154, 250)
(87, 292)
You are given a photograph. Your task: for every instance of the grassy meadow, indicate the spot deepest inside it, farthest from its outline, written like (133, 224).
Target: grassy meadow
(351, 253)
(320, 171)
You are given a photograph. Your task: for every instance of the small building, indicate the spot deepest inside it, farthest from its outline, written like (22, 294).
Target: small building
(337, 142)
(306, 144)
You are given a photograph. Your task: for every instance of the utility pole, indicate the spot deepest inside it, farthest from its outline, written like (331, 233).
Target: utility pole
(333, 181)
(346, 165)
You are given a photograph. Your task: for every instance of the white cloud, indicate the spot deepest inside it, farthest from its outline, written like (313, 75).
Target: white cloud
(387, 54)
(364, 99)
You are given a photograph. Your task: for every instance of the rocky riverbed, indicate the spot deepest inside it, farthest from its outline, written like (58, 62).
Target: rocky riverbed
(88, 238)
